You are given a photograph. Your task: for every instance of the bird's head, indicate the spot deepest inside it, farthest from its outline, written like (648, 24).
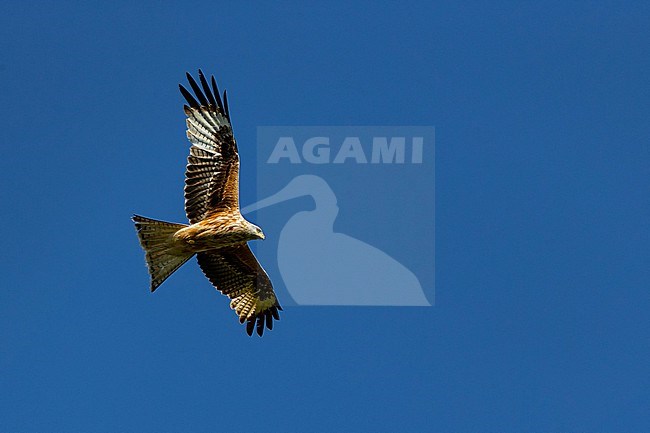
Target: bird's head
(256, 232)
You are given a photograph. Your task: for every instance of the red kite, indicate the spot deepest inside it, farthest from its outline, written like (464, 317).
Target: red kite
(217, 233)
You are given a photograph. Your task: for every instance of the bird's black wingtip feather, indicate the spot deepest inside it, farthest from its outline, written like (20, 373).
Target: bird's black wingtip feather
(188, 97)
(260, 324)
(197, 90)
(269, 319)
(225, 104)
(262, 320)
(203, 95)
(250, 325)
(206, 89)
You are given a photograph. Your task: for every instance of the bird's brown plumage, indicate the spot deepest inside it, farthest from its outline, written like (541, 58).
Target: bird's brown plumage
(235, 272)
(212, 190)
(217, 233)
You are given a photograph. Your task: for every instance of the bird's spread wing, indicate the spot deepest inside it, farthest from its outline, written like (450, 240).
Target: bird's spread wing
(235, 272)
(212, 174)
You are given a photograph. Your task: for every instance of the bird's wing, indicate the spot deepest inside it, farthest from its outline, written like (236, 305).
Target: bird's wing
(236, 273)
(212, 174)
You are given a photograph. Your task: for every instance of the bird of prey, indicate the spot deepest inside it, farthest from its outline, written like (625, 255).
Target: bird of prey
(217, 233)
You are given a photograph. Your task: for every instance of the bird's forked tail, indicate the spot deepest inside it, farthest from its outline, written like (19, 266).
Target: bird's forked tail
(161, 255)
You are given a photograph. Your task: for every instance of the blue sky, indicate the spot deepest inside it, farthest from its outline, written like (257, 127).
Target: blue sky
(542, 208)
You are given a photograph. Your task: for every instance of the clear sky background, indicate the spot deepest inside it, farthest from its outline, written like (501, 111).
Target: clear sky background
(542, 227)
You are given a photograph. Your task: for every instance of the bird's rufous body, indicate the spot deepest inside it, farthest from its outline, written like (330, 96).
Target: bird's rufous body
(218, 231)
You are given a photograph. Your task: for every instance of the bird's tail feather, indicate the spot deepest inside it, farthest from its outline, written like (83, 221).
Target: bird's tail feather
(161, 256)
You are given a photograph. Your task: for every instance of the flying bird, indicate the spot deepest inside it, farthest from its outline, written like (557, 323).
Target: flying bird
(217, 233)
